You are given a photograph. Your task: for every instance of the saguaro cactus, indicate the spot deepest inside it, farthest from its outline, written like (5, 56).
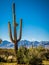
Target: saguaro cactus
(14, 39)
(0, 41)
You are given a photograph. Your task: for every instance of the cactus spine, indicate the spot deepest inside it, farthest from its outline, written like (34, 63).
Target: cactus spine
(15, 40)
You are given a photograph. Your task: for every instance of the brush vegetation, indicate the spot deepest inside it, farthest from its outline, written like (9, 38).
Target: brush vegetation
(28, 56)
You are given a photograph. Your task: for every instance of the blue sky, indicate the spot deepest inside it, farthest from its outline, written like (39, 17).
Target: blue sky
(35, 15)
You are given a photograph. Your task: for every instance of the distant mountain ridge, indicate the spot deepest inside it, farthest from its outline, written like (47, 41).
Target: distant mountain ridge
(7, 44)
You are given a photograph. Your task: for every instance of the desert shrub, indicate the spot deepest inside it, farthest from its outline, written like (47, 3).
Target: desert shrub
(44, 55)
(35, 61)
(47, 55)
(40, 49)
(2, 60)
(22, 55)
(30, 56)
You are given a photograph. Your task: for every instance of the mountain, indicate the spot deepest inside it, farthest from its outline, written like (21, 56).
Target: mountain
(36, 43)
(45, 44)
(25, 43)
(7, 44)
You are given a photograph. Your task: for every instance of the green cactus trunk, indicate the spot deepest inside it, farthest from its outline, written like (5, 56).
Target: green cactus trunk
(16, 47)
(16, 50)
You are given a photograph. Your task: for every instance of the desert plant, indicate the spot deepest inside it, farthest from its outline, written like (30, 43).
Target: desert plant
(0, 41)
(22, 55)
(15, 40)
(35, 61)
(2, 59)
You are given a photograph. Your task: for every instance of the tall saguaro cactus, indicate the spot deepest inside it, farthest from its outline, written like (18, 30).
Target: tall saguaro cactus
(14, 39)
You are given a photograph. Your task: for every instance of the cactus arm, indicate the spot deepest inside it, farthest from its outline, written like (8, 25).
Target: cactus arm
(10, 33)
(20, 30)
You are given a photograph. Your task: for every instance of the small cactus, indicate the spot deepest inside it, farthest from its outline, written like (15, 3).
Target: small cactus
(0, 41)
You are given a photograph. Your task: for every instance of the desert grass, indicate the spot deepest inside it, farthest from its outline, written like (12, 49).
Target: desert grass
(44, 62)
(7, 63)
(10, 64)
